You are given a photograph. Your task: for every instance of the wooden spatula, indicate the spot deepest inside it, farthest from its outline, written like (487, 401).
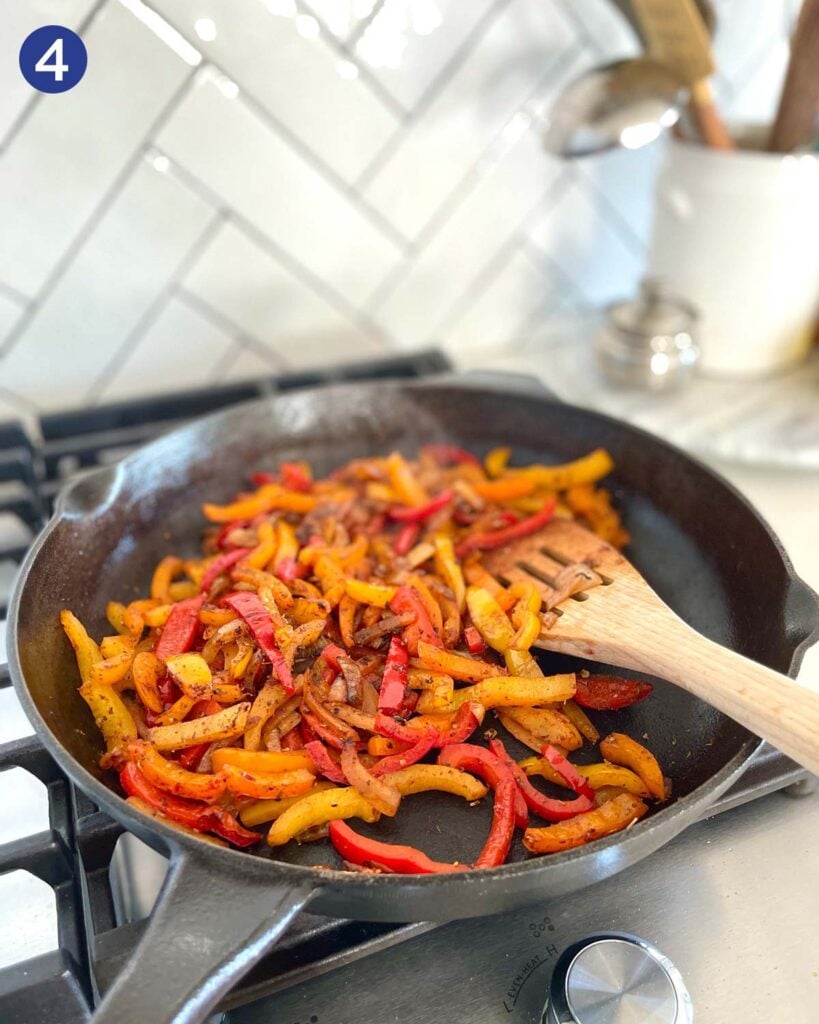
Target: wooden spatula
(615, 617)
(677, 36)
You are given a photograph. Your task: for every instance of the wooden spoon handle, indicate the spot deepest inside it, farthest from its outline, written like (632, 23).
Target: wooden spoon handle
(799, 104)
(768, 703)
(710, 124)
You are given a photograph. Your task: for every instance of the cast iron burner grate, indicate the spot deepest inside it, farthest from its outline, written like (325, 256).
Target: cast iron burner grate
(74, 854)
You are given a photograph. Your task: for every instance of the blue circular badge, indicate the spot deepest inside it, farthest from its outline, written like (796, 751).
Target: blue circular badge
(53, 59)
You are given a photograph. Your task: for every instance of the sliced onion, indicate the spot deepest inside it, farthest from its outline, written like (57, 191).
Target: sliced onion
(383, 796)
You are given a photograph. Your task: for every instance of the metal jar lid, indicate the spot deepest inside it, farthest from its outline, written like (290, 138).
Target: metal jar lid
(648, 342)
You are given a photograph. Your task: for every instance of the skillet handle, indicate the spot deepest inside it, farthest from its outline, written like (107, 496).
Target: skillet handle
(205, 933)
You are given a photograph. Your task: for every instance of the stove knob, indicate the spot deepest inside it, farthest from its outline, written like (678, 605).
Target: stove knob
(615, 978)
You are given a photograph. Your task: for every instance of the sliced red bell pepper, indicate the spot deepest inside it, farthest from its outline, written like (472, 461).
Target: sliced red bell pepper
(319, 731)
(389, 727)
(417, 514)
(294, 477)
(407, 536)
(475, 643)
(496, 848)
(490, 539)
(394, 681)
(191, 757)
(260, 479)
(251, 609)
(324, 763)
(180, 630)
(191, 813)
(450, 455)
(579, 783)
(292, 740)
(480, 761)
(221, 540)
(331, 654)
(401, 860)
(288, 569)
(466, 721)
(407, 601)
(221, 564)
(608, 693)
(426, 741)
(544, 806)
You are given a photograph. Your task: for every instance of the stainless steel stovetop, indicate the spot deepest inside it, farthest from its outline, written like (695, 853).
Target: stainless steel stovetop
(733, 902)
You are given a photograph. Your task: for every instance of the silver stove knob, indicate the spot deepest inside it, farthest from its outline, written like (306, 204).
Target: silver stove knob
(615, 978)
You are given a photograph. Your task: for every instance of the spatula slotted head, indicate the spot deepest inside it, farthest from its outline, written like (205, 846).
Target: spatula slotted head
(591, 593)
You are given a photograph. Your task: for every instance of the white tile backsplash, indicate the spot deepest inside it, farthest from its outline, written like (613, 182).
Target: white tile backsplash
(19, 20)
(246, 285)
(425, 55)
(438, 150)
(114, 279)
(186, 344)
(591, 253)
(275, 188)
(296, 79)
(59, 167)
(339, 179)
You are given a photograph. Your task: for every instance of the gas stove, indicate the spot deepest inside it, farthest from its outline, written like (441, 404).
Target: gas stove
(75, 889)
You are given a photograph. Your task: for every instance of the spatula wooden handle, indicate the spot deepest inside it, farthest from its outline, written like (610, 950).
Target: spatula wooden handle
(768, 703)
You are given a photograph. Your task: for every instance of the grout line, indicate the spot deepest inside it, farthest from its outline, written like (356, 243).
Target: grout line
(203, 307)
(346, 49)
(278, 128)
(149, 317)
(224, 323)
(603, 204)
(364, 24)
(90, 225)
(323, 290)
(588, 40)
(225, 361)
(460, 192)
(538, 257)
(26, 406)
(430, 94)
(495, 264)
(15, 296)
(473, 175)
(31, 104)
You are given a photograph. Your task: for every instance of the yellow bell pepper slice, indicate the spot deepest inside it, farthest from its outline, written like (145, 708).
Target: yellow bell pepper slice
(448, 567)
(490, 619)
(403, 482)
(227, 724)
(516, 691)
(113, 719)
(370, 593)
(262, 760)
(496, 461)
(548, 725)
(86, 650)
(459, 666)
(585, 470)
(623, 750)
(266, 499)
(147, 670)
(319, 809)
(421, 778)
(191, 673)
(269, 810)
(164, 573)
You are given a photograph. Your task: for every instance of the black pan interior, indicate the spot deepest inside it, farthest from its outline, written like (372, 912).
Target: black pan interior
(695, 541)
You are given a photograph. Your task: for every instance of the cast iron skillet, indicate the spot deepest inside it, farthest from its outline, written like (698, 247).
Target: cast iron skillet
(697, 541)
